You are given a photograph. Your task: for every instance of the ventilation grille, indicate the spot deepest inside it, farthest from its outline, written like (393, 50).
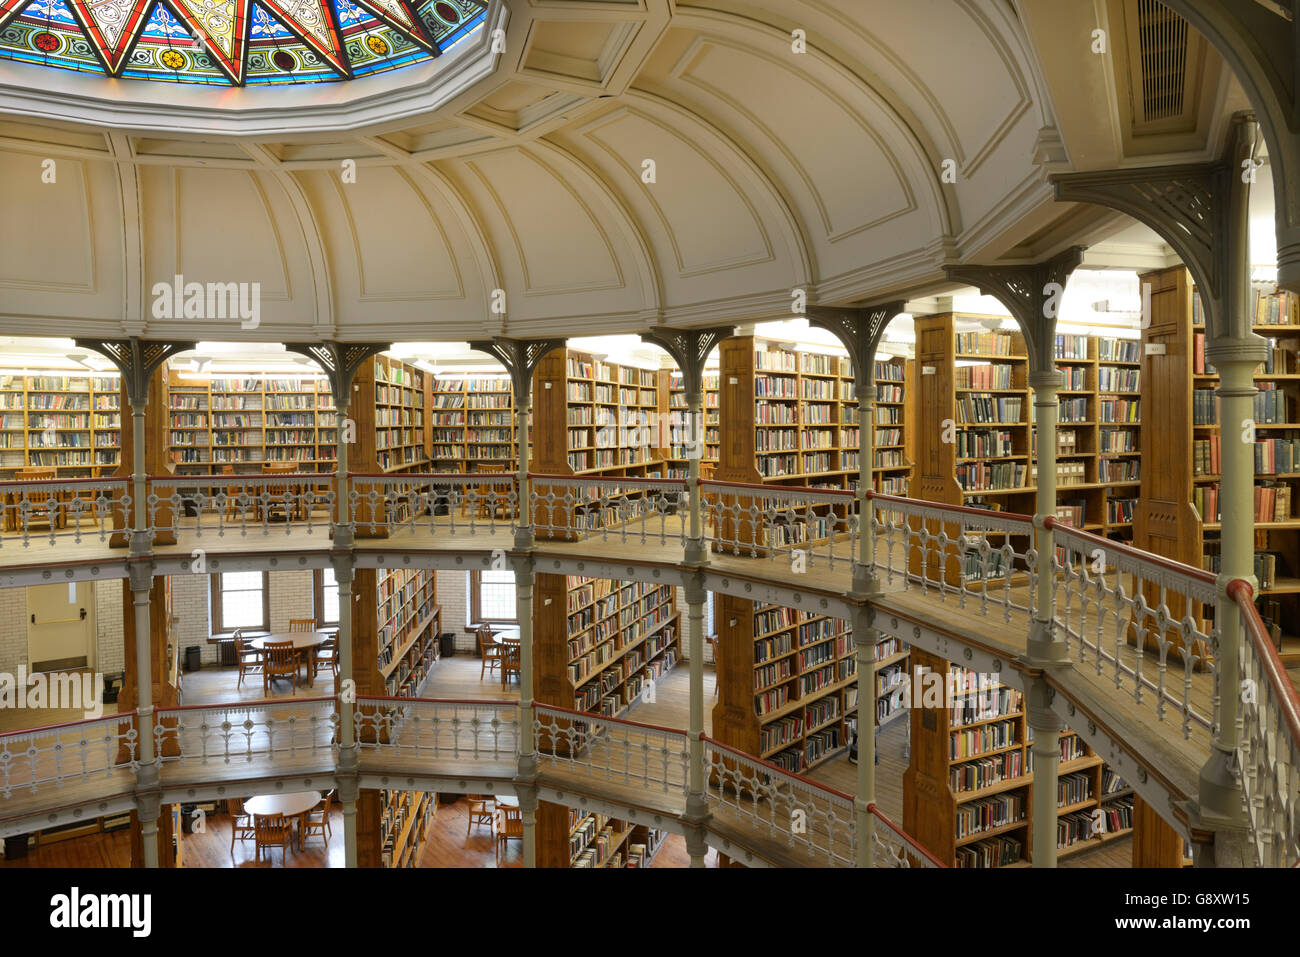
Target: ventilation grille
(1162, 42)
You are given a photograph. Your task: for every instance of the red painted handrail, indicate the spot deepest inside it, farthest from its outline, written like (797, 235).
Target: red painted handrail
(121, 716)
(37, 483)
(907, 838)
(1288, 698)
(1168, 564)
(769, 765)
(444, 476)
(588, 716)
(843, 493)
(233, 705)
(959, 509)
(609, 480)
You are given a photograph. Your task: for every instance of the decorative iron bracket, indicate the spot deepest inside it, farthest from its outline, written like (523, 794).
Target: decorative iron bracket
(136, 359)
(341, 362)
(860, 330)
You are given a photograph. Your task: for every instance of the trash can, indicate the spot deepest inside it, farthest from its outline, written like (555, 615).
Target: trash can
(192, 660)
(187, 811)
(447, 644)
(15, 847)
(112, 687)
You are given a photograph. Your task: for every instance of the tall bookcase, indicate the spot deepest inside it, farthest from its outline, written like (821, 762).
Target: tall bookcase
(472, 423)
(600, 642)
(401, 410)
(672, 405)
(1178, 511)
(968, 790)
(396, 619)
(249, 420)
(70, 423)
(787, 682)
(568, 837)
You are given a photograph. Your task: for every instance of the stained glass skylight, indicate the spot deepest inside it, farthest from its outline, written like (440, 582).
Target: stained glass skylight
(234, 42)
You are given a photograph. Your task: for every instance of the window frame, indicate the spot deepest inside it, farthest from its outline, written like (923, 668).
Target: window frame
(318, 599)
(216, 593)
(475, 603)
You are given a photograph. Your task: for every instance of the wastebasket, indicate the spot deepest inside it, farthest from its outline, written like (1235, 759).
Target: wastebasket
(447, 644)
(192, 660)
(15, 847)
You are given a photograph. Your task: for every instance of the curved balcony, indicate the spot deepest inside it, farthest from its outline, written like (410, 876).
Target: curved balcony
(1141, 634)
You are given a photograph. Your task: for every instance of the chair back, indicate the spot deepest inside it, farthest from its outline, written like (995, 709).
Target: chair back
(271, 828)
(512, 822)
(280, 656)
(485, 642)
(302, 624)
(510, 657)
(37, 473)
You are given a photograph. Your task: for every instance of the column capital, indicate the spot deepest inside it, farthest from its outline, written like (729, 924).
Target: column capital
(1248, 350)
(521, 358)
(1031, 293)
(136, 359)
(1200, 210)
(860, 330)
(341, 362)
(690, 349)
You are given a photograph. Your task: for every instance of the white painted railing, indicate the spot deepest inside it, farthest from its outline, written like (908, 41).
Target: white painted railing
(202, 505)
(805, 526)
(272, 732)
(612, 750)
(433, 504)
(73, 509)
(801, 815)
(62, 753)
(1125, 613)
(609, 509)
(893, 847)
(1269, 751)
(981, 557)
(459, 730)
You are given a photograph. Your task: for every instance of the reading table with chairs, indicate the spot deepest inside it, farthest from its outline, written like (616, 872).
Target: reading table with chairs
(280, 657)
(499, 648)
(501, 814)
(268, 819)
(23, 508)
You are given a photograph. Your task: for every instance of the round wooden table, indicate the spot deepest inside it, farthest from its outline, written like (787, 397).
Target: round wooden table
(508, 633)
(292, 805)
(304, 642)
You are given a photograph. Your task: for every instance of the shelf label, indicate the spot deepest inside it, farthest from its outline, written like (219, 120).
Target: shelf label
(929, 370)
(1153, 348)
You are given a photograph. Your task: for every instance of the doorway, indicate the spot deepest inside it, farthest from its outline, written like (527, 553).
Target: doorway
(61, 627)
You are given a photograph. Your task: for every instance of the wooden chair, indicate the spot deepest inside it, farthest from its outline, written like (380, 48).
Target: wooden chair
(279, 495)
(232, 494)
(271, 830)
(42, 506)
(241, 823)
(482, 810)
(325, 658)
(316, 821)
(489, 650)
(302, 624)
(485, 506)
(509, 824)
(509, 661)
(249, 659)
(280, 663)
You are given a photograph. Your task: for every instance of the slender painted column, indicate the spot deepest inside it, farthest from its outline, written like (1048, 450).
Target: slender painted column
(344, 572)
(695, 550)
(528, 812)
(343, 528)
(524, 579)
(523, 410)
(1042, 644)
(1219, 790)
(697, 806)
(147, 805)
(866, 638)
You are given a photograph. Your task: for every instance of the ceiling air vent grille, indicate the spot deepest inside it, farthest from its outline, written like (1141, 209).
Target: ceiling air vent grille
(1162, 39)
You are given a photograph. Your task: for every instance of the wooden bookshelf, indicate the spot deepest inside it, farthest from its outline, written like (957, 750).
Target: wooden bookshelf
(968, 790)
(592, 419)
(70, 423)
(1188, 438)
(245, 421)
(568, 837)
(787, 682)
(601, 642)
(891, 469)
(472, 423)
(401, 410)
(672, 405)
(395, 624)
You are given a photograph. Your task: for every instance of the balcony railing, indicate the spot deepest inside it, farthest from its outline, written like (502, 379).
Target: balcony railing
(58, 754)
(804, 526)
(430, 728)
(433, 504)
(270, 733)
(75, 509)
(609, 509)
(202, 505)
(612, 750)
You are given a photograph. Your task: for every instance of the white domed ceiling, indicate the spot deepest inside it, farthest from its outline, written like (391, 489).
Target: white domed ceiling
(570, 168)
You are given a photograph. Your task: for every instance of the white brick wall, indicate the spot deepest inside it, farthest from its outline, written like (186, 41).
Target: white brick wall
(453, 596)
(292, 596)
(190, 599)
(13, 629)
(110, 638)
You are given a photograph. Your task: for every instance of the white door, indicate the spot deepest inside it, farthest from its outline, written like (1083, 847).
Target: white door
(61, 626)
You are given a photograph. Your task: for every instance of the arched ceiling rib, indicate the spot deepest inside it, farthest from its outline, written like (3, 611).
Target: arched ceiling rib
(773, 170)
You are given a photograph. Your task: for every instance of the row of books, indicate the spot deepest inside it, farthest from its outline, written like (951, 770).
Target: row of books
(984, 476)
(985, 343)
(1113, 379)
(975, 775)
(988, 409)
(986, 814)
(989, 376)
